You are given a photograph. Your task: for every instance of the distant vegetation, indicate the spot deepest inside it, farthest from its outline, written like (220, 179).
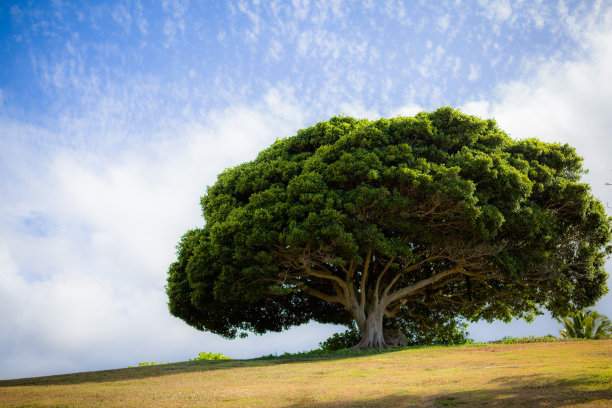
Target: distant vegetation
(152, 363)
(330, 347)
(529, 339)
(200, 357)
(340, 345)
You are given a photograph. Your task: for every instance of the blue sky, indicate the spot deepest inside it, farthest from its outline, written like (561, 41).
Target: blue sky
(115, 116)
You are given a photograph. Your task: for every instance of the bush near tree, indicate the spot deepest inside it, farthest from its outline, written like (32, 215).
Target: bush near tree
(389, 223)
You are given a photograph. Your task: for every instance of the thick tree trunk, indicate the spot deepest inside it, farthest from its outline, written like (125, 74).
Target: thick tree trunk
(372, 332)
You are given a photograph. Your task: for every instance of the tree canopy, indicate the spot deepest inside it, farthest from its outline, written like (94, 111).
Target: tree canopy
(412, 219)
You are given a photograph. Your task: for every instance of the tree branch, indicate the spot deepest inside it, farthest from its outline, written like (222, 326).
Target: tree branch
(328, 275)
(364, 277)
(350, 272)
(323, 296)
(380, 275)
(387, 299)
(408, 269)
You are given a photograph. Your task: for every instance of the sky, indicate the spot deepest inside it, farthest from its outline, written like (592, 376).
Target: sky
(114, 118)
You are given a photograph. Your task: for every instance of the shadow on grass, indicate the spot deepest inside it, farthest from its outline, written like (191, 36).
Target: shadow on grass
(521, 391)
(136, 373)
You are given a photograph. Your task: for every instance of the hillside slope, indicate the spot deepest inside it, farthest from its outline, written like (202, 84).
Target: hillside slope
(562, 374)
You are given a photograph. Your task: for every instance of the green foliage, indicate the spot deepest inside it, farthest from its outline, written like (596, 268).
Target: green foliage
(529, 339)
(339, 341)
(432, 330)
(437, 217)
(202, 356)
(586, 324)
(152, 363)
(448, 334)
(209, 356)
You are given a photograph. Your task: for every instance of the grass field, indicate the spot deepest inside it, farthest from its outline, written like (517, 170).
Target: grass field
(560, 374)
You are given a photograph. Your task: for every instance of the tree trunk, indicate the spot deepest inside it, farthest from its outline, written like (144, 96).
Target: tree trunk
(372, 333)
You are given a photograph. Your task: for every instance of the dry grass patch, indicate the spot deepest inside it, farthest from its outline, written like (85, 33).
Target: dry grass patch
(564, 374)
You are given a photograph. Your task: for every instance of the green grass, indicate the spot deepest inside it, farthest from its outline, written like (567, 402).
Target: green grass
(537, 374)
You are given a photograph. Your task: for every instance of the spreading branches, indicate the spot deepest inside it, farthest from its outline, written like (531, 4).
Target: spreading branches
(447, 258)
(448, 263)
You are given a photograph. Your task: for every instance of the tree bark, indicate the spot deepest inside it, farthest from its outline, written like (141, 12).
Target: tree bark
(366, 297)
(372, 332)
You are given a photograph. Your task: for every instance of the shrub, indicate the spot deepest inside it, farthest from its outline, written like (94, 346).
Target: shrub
(529, 339)
(449, 333)
(341, 341)
(209, 356)
(152, 363)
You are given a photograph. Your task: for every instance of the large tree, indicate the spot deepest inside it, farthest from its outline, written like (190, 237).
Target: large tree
(411, 219)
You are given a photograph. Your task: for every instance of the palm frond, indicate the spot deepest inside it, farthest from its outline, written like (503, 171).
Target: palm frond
(586, 324)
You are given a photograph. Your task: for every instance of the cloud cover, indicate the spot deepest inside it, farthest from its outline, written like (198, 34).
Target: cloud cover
(562, 101)
(101, 180)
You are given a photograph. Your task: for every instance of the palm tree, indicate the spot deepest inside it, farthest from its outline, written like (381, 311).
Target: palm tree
(586, 324)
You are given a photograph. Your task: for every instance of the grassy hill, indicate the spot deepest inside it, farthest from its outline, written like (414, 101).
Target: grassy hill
(559, 374)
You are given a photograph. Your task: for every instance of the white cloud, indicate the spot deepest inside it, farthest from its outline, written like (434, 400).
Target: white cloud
(325, 45)
(538, 16)
(274, 51)
(177, 8)
(253, 33)
(407, 110)
(337, 8)
(474, 72)
(456, 64)
(175, 23)
(141, 21)
(92, 296)
(477, 108)
(564, 102)
(444, 22)
(171, 27)
(16, 13)
(497, 10)
(329, 9)
(356, 110)
(121, 16)
(301, 9)
(76, 321)
(429, 66)
(395, 10)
